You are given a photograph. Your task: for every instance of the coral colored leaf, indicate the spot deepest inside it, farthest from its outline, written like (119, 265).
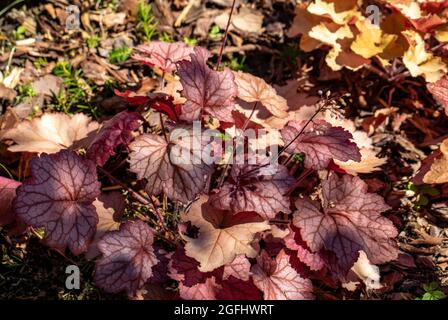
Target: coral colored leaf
(254, 89)
(439, 90)
(222, 236)
(238, 268)
(350, 222)
(206, 89)
(58, 198)
(109, 207)
(237, 289)
(113, 133)
(128, 258)
(320, 142)
(200, 291)
(278, 280)
(262, 193)
(175, 168)
(7, 194)
(50, 133)
(163, 55)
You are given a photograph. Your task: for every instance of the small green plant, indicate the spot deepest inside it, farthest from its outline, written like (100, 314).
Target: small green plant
(93, 41)
(40, 62)
(421, 194)
(432, 292)
(298, 157)
(166, 37)
(147, 24)
(26, 90)
(190, 41)
(236, 64)
(19, 33)
(215, 32)
(120, 55)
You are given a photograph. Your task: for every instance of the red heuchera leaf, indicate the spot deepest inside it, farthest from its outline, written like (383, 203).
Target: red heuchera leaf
(200, 291)
(252, 190)
(294, 241)
(206, 89)
(132, 98)
(439, 90)
(114, 132)
(58, 198)
(238, 268)
(174, 168)
(350, 221)
(7, 194)
(128, 258)
(320, 142)
(237, 289)
(160, 270)
(278, 280)
(163, 55)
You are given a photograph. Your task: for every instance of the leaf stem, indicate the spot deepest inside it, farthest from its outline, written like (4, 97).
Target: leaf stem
(138, 196)
(224, 38)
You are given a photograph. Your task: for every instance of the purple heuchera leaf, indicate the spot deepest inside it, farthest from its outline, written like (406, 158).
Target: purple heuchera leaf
(205, 89)
(174, 168)
(58, 198)
(349, 222)
(114, 132)
(7, 194)
(320, 142)
(128, 258)
(163, 55)
(249, 190)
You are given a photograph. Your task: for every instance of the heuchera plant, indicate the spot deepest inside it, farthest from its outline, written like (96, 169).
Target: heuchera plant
(245, 230)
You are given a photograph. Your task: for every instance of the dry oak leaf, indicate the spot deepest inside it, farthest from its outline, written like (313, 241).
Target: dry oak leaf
(128, 258)
(438, 171)
(278, 280)
(439, 90)
(419, 61)
(175, 168)
(248, 189)
(58, 198)
(205, 89)
(109, 207)
(114, 132)
(222, 235)
(50, 133)
(163, 55)
(320, 142)
(254, 89)
(349, 222)
(7, 194)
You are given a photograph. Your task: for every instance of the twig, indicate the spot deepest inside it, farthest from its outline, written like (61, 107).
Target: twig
(224, 38)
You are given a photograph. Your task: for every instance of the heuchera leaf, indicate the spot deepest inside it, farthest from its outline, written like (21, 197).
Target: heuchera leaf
(128, 258)
(249, 190)
(163, 55)
(320, 142)
(238, 268)
(350, 222)
(278, 280)
(206, 89)
(50, 133)
(58, 198)
(222, 235)
(7, 194)
(237, 289)
(200, 291)
(439, 90)
(294, 241)
(114, 132)
(186, 269)
(175, 167)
